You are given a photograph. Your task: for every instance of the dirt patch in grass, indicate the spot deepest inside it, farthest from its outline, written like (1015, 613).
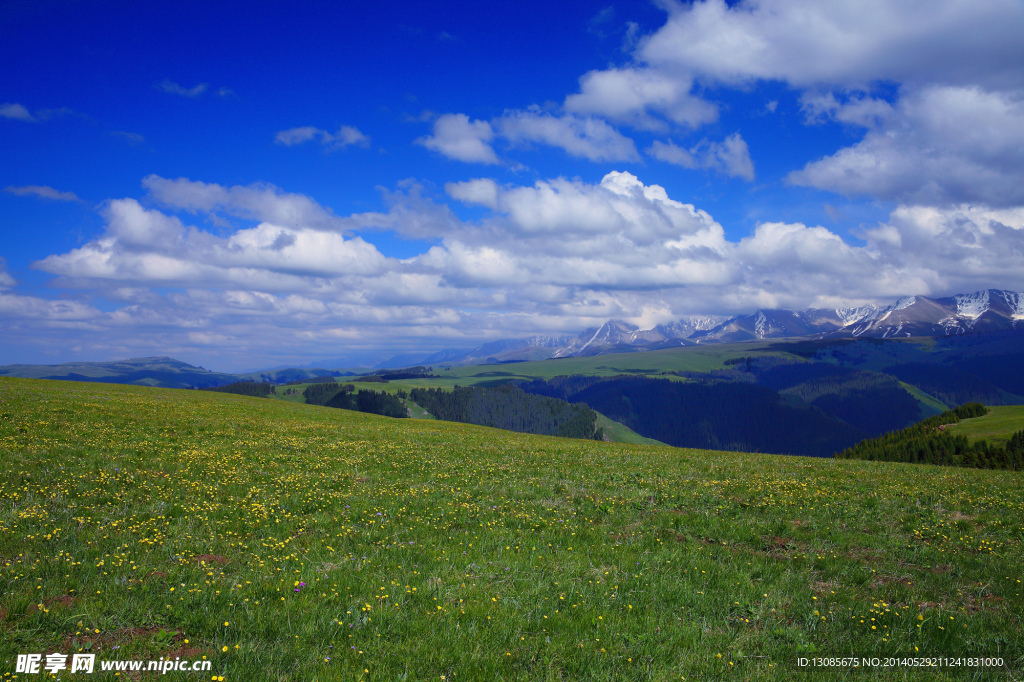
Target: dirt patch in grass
(864, 554)
(171, 643)
(883, 580)
(210, 559)
(987, 602)
(62, 601)
(824, 587)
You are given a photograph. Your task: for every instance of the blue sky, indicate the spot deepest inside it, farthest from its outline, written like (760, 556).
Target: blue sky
(242, 188)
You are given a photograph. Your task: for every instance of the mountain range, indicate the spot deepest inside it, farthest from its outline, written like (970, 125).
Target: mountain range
(988, 310)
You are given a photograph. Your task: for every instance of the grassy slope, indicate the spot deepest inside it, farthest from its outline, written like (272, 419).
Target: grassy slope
(996, 427)
(428, 548)
(930, 405)
(693, 358)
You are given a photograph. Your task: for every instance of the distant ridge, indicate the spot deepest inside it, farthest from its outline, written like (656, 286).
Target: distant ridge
(987, 310)
(981, 311)
(162, 371)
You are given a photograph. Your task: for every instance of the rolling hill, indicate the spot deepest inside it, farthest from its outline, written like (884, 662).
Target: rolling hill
(286, 541)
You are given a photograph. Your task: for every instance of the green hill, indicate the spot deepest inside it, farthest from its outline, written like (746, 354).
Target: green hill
(996, 427)
(290, 542)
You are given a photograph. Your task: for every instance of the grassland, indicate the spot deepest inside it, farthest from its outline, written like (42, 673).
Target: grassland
(996, 427)
(689, 358)
(290, 542)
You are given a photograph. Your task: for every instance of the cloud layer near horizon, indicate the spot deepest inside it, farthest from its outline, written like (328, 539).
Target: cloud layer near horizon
(278, 269)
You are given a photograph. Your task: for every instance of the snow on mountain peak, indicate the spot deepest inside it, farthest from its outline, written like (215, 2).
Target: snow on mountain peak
(972, 306)
(759, 324)
(850, 316)
(1015, 301)
(904, 302)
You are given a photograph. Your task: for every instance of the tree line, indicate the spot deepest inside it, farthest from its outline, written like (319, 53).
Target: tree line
(509, 407)
(260, 389)
(345, 397)
(928, 443)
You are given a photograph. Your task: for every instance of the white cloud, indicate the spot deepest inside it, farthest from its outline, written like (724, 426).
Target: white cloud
(940, 145)
(627, 95)
(858, 109)
(144, 245)
(808, 43)
(956, 66)
(347, 136)
(32, 307)
(482, 191)
(261, 202)
(730, 156)
(459, 138)
(295, 136)
(555, 256)
(585, 137)
(16, 111)
(175, 89)
(956, 249)
(43, 192)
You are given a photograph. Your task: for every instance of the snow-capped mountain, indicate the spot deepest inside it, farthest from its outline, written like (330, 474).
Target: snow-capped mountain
(988, 310)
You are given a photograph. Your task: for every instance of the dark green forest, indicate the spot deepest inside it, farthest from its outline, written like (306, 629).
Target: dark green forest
(509, 407)
(951, 385)
(259, 389)
(873, 402)
(714, 415)
(928, 443)
(344, 397)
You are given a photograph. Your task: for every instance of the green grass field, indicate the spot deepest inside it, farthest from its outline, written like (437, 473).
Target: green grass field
(689, 358)
(996, 427)
(289, 542)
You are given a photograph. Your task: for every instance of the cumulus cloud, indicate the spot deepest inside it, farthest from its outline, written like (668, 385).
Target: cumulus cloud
(730, 156)
(554, 256)
(628, 95)
(347, 136)
(148, 246)
(584, 137)
(812, 44)
(32, 307)
(16, 111)
(261, 202)
(941, 145)
(459, 138)
(956, 66)
(175, 89)
(482, 191)
(43, 192)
